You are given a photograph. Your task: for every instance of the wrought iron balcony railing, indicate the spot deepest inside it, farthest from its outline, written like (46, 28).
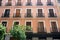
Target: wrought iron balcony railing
(39, 3)
(14, 15)
(3, 16)
(28, 4)
(40, 15)
(28, 15)
(41, 30)
(52, 15)
(18, 4)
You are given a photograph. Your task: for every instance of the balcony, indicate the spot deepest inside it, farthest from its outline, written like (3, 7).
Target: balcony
(5, 15)
(49, 3)
(54, 29)
(16, 16)
(18, 4)
(8, 4)
(28, 4)
(28, 15)
(39, 4)
(40, 15)
(52, 15)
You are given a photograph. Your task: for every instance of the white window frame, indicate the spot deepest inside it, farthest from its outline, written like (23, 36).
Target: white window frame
(44, 24)
(51, 25)
(5, 21)
(54, 10)
(5, 9)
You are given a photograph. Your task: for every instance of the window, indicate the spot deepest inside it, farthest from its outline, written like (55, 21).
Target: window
(29, 3)
(9, 3)
(39, 2)
(4, 23)
(19, 3)
(49, 3)
(54, 27)
(51, 13)
(28, 13)
(39, 10)
(28, 10)
(0, 2)
(6, 13)
(16, 23)
(17, 14)
(40, 14)
(28, 24)
(40, 27)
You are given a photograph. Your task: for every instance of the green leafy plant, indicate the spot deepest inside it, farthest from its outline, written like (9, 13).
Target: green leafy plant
(2, 31)
(18, 32)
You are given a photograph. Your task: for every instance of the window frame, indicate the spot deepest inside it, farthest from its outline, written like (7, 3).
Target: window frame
(44, 24)
(16, 9)
(53, 10)
(31, 24)
(5, 21)
(56, 25)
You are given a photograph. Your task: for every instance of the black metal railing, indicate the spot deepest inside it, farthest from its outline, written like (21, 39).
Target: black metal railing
(18, 4)
(5, 15)
(29, 4)
(40, 15)
(49, 3)
(52, 15)
(54, 29)
(39, 3)
(41, 30)
(28, 15)
(14, 15)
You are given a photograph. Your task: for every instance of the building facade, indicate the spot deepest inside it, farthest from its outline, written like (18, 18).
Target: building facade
(42, 15)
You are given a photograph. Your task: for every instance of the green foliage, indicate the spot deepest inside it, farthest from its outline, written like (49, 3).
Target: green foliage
(28, 28)
(18, 32)
(2, 31)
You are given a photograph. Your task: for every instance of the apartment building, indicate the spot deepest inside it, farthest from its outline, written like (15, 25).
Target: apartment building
(42, 15)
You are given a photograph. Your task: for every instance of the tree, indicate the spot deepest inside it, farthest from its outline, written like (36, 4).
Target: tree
(18, 32)
(2, 31)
